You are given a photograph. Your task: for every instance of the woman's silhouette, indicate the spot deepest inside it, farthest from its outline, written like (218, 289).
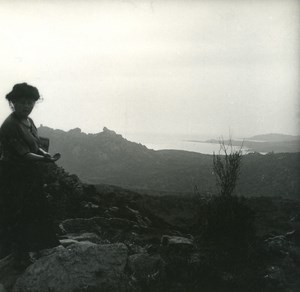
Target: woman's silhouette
(25, 221)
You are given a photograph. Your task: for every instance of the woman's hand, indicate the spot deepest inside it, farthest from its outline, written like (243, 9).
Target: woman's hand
(44, 153)
(46, 158)
(53, 158)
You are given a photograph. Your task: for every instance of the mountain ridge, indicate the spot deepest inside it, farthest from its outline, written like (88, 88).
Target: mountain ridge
(264, 137)
(108, 158)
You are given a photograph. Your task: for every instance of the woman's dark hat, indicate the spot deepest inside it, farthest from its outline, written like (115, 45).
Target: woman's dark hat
(23, 90)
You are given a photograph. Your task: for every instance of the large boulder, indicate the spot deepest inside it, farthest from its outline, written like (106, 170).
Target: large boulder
(82, 266)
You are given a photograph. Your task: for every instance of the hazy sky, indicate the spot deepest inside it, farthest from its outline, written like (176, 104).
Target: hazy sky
(193, 67)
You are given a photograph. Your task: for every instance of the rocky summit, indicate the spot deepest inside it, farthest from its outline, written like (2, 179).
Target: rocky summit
(113, 239)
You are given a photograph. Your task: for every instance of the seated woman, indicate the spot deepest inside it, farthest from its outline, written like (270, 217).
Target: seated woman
(25, 221)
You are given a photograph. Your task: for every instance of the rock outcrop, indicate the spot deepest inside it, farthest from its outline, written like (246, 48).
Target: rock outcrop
(83, 266)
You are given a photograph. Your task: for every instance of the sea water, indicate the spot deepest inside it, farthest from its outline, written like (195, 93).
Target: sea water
(193, 143)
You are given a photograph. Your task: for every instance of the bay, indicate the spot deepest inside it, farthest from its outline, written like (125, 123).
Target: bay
(193, 143)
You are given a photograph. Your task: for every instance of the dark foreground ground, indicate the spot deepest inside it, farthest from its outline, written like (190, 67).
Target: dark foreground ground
(113, 239)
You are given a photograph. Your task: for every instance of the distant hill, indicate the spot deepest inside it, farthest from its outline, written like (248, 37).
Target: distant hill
(108, 158)
(273, 137)
(277, 143)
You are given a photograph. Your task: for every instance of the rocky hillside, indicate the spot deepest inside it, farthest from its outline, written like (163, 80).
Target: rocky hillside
(114, 239)
(108, 158)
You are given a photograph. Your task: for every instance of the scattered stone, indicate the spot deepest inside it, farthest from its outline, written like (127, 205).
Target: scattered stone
(293, 236)
(80, 225)
(145, 265)
(278, 244)
(134, 248)
(195, 259)
(178, 241)
(90, 205)
(129, 214)
(67, 242)
(91, 237)
(110, 212)
(275, 277)
(175, 246)
(120, 223)
(143, 222)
